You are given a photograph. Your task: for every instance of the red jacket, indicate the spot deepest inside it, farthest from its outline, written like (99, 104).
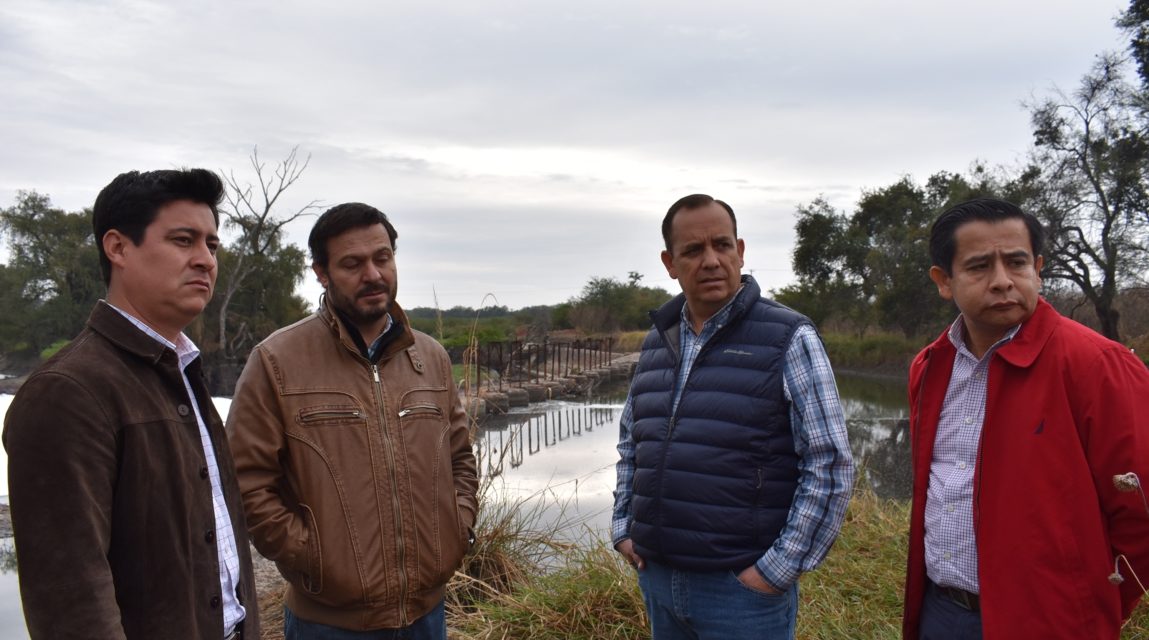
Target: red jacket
(1066, 410)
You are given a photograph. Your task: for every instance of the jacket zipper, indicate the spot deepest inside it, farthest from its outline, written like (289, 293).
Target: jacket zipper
(396, 507)
(421, 408)
(331, 413)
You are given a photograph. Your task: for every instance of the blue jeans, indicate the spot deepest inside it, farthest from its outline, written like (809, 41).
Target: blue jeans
(432, 626)
(713, 606)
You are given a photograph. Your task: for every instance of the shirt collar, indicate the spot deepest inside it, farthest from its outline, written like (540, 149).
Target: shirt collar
(956, 335)
(184, 348)
(718, 318)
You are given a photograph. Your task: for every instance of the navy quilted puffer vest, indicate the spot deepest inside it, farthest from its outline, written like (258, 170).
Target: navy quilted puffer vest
(714, 482)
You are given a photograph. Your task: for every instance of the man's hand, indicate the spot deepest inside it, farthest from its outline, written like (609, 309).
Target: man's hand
(752, 579)
(626, 548)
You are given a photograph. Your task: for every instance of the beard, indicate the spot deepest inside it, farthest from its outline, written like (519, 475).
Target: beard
(359, 312)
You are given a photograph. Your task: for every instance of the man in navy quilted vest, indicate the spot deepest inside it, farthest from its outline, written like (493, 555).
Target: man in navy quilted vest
(734, 469)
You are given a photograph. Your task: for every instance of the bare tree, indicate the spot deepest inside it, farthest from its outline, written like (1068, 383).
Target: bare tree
(1089, 184)
(252, 210)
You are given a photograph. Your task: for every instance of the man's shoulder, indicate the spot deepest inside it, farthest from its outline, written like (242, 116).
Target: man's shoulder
(89, 364)
(302, 331)
(87, 357)
(1079, 342)
(766, 309)
(425, 342)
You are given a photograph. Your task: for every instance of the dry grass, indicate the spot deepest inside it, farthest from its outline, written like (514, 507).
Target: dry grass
(629, 341)
(857, 593)
(528, 580)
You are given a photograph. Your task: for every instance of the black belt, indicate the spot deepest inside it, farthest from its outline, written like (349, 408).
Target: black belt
(965, 599)
(236, 633)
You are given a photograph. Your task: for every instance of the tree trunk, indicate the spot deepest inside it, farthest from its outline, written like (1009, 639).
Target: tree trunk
(1108, 317)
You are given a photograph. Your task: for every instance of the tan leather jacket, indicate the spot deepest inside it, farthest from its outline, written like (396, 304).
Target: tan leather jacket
(358, 480)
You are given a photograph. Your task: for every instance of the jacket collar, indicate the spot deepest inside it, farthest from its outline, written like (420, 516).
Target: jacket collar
(120, 331)
(404, 341)
(1024, 348)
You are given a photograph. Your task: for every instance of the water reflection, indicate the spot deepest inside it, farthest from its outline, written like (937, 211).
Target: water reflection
(877, 420)
(559, 453)
(7, 556)
(506, 440)
(565, 451)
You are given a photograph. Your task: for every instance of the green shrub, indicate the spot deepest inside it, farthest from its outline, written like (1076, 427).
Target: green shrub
(51, 350)
(884, 351)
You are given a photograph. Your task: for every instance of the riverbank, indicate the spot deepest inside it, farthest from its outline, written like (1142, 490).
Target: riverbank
(593, 595)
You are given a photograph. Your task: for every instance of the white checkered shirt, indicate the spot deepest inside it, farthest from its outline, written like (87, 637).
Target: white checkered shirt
(951, 545)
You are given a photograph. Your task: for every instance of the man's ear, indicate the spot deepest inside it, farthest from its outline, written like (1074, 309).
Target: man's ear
(942, 280)
(320, 274)
(668, 262)
(115, 244)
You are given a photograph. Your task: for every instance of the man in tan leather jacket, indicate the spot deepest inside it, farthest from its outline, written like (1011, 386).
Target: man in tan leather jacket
(353, 451)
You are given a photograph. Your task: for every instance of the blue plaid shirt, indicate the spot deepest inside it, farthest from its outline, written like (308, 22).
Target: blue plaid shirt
(826, 469)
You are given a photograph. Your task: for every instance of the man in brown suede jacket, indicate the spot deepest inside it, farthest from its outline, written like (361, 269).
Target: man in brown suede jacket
(124, 501)
(353, 449)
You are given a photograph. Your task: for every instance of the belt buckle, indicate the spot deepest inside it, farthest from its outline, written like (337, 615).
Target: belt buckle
(962, 598)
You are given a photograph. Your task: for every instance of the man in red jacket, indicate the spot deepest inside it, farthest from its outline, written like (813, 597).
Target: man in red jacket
(1030, 434)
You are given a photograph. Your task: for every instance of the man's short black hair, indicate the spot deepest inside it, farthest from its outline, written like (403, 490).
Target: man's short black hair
(131, 201)
(944, 231)
(344, 217)
(694, 201)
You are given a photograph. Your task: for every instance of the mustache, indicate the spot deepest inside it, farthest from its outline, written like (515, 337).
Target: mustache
(372, 290)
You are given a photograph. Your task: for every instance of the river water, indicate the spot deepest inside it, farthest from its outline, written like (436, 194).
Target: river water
(559, 456)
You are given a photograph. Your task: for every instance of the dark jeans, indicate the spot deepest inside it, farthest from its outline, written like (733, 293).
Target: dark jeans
(686, 605)
(944, 619)
(432, 626)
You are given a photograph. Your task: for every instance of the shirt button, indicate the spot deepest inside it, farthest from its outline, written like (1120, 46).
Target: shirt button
(969, 420)
(961, 464)
(948, 555)
(209, 536)
(950, 508)
(183, 410)
(203, 472)
(215, 602)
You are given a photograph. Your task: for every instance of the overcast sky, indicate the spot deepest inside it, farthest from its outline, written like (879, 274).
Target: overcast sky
(522, 148)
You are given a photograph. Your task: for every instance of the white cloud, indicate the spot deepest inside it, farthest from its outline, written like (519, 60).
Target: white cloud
(523, 147)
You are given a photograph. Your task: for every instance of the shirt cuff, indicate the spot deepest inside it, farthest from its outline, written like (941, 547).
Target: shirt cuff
(775, 574)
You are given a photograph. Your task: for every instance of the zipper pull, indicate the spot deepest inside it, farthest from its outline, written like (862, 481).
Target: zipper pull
(375, 371)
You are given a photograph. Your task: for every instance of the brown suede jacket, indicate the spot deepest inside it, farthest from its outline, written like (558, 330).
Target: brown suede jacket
(358, 479)
(110, 497)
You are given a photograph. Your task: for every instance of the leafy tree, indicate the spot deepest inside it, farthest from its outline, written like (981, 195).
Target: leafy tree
(1135, 22)
(607, 305)
(52, 279)
(872, 266)
(1087, 182)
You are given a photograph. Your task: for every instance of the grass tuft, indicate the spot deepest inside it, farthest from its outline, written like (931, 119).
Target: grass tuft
(592, 594)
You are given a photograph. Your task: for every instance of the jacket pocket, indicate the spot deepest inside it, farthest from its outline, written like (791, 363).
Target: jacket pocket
(312, 579)
(417, 411)
(331, 416)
